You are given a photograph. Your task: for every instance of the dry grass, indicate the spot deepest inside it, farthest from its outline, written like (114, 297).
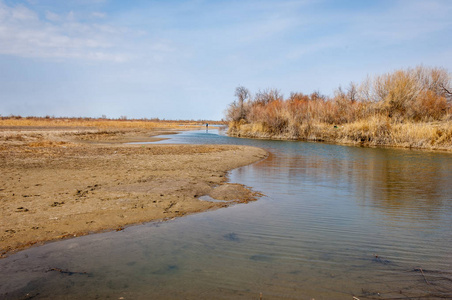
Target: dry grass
(407, 108)
(98, 123)
(370, 132)
(50, 144)
(36, 132)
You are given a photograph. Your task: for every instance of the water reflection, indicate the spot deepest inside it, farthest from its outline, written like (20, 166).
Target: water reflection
(336, 222)
(390, 181)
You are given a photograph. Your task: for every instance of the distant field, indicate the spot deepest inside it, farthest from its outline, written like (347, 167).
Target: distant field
(100, 122)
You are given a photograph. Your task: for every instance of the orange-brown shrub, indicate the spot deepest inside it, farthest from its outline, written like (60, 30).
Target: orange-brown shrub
(404, 96)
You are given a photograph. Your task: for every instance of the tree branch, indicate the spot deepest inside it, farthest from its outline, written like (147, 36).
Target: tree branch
(444, 88)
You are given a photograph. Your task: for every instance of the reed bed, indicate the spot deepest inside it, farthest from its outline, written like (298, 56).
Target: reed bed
(407, 108)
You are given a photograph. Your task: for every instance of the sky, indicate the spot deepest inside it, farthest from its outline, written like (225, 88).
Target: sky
(184, 59)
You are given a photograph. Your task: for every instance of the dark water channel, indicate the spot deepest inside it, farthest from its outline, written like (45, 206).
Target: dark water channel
(336, 222)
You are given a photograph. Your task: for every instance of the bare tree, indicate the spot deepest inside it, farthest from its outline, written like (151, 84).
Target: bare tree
(352, 92)
(267, 96)
(447, 92)
(242, 94)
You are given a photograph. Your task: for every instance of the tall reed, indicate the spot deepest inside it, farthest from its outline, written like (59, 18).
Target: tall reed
(407, 108)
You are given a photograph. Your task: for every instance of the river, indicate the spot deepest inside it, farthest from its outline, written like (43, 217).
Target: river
(336, 222)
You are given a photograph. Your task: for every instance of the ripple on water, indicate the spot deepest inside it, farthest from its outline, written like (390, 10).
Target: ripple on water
(335, 222)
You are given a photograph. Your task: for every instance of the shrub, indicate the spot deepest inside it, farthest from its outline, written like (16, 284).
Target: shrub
(371, 108)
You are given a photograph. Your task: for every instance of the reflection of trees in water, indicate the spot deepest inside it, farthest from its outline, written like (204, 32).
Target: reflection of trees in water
(406, 209)
(419, 183)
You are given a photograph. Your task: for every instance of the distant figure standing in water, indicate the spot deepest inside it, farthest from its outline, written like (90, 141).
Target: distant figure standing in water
(207, 127)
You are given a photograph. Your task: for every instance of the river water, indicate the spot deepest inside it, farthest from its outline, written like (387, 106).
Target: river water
(336, 222)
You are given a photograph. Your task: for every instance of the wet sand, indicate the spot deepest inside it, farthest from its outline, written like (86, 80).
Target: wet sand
(64, 182)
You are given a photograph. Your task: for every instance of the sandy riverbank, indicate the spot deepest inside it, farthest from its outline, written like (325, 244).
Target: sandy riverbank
(64, 182)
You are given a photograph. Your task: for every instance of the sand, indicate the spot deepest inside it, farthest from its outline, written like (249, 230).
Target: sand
(60, 183)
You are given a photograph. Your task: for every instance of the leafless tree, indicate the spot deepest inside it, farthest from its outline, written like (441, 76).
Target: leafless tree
(352, 92)
(242, 94)
(266, 96)
(237, 110)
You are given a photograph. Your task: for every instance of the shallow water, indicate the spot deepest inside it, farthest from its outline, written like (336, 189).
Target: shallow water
(336, 222)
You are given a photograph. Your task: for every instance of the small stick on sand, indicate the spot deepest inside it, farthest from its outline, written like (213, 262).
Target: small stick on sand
(422, 272)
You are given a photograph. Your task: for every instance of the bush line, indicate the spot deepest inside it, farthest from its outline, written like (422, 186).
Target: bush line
(406, 108)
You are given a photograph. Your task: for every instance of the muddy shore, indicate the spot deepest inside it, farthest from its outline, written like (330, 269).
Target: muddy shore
(64, 182)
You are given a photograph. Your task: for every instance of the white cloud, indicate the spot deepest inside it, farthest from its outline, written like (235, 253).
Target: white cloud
(405, 21)
(301, 50)
(98, 15)
(21, 13)
(23, 33)
(52, 16)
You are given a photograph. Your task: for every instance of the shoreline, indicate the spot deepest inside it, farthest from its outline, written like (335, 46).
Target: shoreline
(401, 136)
(59, 183)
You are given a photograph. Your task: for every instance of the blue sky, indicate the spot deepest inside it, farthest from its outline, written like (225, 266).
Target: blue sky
(184, 59)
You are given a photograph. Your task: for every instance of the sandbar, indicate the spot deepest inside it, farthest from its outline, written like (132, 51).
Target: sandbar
(61, 183)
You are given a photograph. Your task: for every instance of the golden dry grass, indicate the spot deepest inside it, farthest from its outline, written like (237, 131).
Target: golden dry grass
(99, 123)
(369, 132)
(407, 108)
